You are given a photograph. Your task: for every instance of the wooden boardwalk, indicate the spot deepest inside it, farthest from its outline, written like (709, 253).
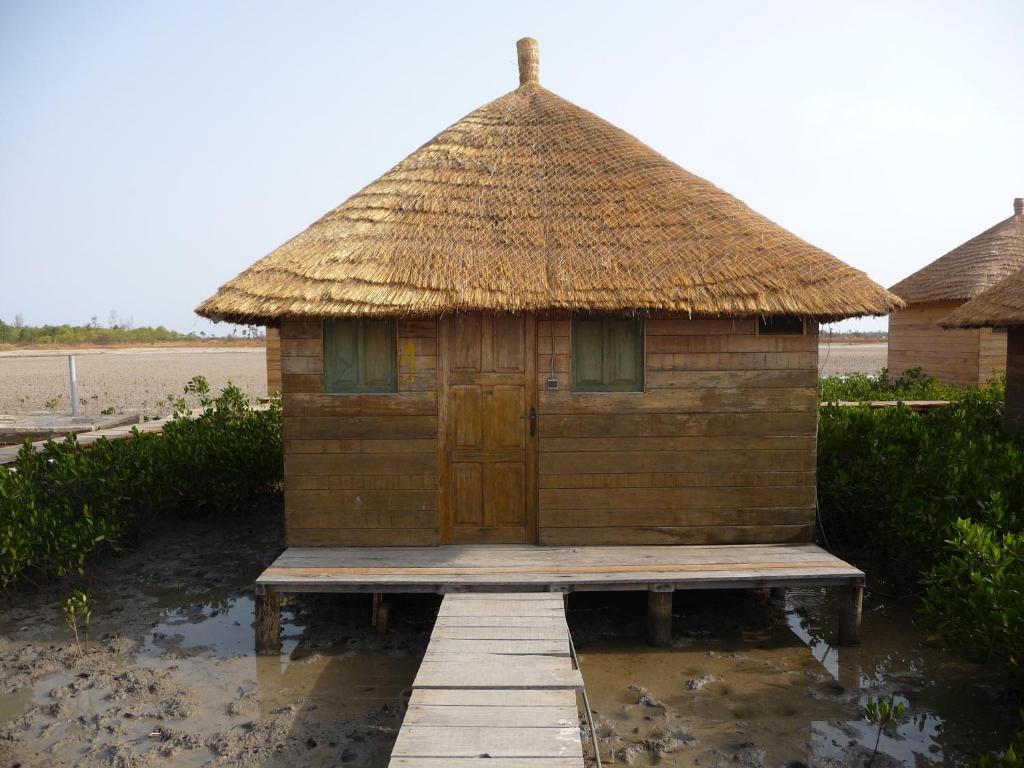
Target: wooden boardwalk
(496, 688)
(9, 453)
(913, 405)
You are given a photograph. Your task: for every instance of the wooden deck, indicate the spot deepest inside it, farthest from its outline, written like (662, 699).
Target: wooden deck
(496, 687)
(913, 405)
(526, 568)
(519, 568)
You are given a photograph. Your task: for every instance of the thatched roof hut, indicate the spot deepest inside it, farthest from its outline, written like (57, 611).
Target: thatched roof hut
(537, 329)
(916, 335)
(1002, 305)
(530, 203)
(972, 267)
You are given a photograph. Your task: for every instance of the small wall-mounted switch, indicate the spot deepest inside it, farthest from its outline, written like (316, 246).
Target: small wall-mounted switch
(552, 382)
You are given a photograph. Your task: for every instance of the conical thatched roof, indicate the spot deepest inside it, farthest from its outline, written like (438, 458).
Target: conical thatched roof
(533, 203)
(970, 268)
(1000, 305)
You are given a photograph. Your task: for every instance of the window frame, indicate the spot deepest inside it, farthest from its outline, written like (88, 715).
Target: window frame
(641, 353)
(762, 318)
(360, 342)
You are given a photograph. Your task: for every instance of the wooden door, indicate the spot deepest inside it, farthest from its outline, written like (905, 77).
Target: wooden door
(488, 462)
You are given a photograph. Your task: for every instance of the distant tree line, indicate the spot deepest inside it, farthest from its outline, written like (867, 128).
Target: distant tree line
(117, 331)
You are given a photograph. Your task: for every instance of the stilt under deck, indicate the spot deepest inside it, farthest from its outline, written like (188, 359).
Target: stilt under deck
(659, 570)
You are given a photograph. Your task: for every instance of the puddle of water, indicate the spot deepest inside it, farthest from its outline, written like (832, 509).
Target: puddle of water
(344, 678)
(15, 703)
(739, 686)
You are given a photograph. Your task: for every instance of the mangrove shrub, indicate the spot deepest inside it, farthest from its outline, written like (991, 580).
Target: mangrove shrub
(59, 504)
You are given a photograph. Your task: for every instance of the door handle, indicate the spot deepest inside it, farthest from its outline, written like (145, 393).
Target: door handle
(532, 418)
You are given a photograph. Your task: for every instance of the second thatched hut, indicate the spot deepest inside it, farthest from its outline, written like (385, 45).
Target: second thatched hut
(1001, 308)
(963, 356)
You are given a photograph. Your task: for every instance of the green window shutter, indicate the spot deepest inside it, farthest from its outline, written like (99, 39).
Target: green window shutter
(607, 354)
(360, 355)
(624, 355)
(587, 353)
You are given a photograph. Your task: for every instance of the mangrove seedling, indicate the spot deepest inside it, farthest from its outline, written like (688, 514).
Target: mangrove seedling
(882, 712)
(77, 610)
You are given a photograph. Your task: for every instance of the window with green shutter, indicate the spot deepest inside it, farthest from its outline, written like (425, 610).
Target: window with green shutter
(607, 353)
(360, 355)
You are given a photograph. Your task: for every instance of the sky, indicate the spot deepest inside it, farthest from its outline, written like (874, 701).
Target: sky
(151, 151)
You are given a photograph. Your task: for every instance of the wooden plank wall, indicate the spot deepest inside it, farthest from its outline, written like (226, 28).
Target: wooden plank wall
(1013, 415)
(273, 337)
(991, 353)
(719, 449)
(360, 469)
(916, 340)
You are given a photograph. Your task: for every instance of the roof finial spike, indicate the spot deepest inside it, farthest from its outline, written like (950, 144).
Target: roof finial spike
(529, 61)
(1018, 206)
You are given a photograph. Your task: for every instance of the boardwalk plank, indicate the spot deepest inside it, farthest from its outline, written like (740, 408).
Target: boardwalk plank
(442, 646)
(484, 697)
(494, 608)
(509, 662)
(484, 762)
(554, 621)
(500, 633)
(494, 717)
(439, 675)
(434, 741)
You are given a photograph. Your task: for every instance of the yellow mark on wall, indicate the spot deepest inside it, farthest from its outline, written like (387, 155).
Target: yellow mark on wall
(407, 362)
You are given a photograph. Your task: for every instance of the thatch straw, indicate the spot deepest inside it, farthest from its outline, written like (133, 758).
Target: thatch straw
(533, 203)
(971, 268)
(1001, 305)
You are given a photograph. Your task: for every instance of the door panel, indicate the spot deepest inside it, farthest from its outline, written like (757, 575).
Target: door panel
(505, 417)
(487, 385)
(467, 496)
(465, 342)
(506, 482)
(509, 343)
(467, 416)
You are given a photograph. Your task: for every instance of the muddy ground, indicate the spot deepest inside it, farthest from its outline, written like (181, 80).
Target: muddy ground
(167, 676)
(123, 379)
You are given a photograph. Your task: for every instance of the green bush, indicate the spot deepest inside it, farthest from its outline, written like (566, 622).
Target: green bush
(58, 504)
(862, 387)
(975, 597)
(932, 500)
(892, 483)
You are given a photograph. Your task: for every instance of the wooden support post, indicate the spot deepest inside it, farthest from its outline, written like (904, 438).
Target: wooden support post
(851, 605)
(659, 617)
(268, 621)
(850, 668)
(379, 619)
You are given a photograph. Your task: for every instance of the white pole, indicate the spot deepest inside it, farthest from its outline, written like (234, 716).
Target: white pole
(74, 385)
